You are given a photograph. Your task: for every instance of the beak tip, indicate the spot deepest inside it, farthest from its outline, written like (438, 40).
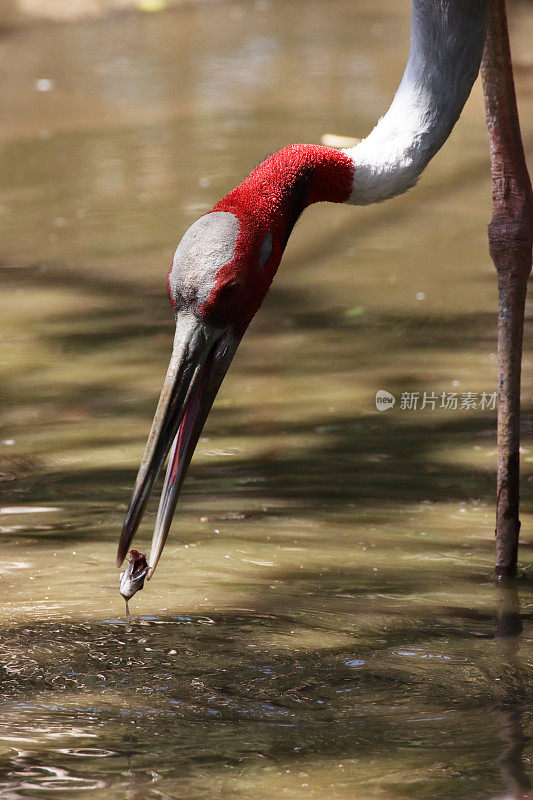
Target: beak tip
(122, 551)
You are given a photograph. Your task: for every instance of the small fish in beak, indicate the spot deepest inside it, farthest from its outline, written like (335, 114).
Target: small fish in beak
(132, 579)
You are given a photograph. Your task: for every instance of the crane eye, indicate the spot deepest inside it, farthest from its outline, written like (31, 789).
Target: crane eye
(230, 287)
(225, 302)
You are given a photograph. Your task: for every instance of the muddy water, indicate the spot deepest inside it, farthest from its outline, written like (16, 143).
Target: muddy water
(323, 623)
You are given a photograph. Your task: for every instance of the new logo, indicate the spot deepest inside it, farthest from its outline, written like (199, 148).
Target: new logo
(384, 400)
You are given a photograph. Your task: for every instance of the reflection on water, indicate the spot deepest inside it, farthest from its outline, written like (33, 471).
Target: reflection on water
(324, 621)
(513, 758)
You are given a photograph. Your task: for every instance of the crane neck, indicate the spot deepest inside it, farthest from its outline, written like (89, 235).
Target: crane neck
(276, 192)
(447, 38)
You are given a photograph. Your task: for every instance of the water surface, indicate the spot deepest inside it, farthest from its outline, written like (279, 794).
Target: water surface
(324, 622)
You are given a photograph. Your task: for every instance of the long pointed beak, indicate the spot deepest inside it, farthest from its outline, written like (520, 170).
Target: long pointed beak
(200, 359)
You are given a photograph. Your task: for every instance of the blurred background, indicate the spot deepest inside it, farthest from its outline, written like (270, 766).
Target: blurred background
(323, 621)
(19, 11)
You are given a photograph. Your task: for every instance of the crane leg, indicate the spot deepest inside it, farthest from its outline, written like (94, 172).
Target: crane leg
(510, 243)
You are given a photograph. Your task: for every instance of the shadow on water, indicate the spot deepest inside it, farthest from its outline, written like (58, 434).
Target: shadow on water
(364, 466)
(363, 459)
(357, 457)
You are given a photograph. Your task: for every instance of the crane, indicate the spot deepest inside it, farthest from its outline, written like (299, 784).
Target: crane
(226, 261)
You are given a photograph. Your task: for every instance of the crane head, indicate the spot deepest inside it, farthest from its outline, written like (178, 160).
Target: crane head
(220, 274)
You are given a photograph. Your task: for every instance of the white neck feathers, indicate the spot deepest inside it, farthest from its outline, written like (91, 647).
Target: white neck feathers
(447, 39)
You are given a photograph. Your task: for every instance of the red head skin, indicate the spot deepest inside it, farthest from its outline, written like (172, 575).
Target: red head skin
(269, 201)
